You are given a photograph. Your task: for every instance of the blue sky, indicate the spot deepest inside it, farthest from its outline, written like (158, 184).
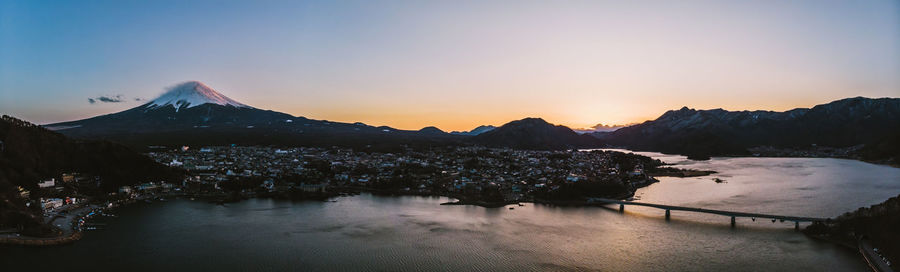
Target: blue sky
(453, 64)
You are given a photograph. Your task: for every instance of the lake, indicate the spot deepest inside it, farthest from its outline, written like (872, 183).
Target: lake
(411, 233)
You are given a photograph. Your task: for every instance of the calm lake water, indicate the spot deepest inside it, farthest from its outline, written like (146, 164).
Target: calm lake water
(369, 232)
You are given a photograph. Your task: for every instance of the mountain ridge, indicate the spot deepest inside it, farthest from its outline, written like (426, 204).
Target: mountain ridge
(696, 133)
(716, 132)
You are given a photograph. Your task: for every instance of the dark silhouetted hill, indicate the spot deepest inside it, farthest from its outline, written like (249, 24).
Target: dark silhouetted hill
(537, 134)
(29, 153)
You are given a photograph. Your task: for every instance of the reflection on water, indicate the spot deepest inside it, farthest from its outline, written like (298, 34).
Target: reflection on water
(792, 186)
(368, 232)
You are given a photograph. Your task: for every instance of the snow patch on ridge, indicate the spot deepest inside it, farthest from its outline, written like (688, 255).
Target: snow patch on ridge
(192, 94)
(57, 128)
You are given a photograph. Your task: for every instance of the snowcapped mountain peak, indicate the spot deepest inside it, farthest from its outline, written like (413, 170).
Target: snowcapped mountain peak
(192, 94)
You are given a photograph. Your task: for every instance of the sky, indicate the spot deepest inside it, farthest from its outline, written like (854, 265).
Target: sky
(450, 64)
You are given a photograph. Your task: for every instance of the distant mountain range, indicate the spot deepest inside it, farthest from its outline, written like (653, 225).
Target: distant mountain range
(195, 114)
(192, 113)
(700, 133)
(601, 128)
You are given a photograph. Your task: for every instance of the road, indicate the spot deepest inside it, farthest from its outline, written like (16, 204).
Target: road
(873, 259)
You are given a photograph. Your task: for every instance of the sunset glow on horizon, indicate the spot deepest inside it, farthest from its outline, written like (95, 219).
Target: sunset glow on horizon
(453, 65)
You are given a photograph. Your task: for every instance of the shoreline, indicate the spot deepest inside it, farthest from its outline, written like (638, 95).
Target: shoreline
(70, 234)
(77, 234)
(861, 247)
(876, 162)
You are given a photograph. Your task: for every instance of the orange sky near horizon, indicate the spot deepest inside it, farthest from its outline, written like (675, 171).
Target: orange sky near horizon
(612, 113)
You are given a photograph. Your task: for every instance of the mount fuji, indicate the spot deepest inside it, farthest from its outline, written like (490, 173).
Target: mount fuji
(192, 94)
(192, 113)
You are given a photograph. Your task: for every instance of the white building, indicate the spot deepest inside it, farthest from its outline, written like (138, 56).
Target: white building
(175, 163)
(51, 203)
(47, 183)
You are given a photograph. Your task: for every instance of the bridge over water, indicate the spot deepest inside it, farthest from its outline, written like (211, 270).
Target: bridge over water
(732, 214)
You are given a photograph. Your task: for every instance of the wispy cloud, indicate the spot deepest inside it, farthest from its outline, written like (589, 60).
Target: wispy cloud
(107, 99)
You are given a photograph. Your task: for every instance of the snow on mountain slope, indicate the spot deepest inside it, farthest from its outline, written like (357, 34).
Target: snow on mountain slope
(192, 94)
(479, 130)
